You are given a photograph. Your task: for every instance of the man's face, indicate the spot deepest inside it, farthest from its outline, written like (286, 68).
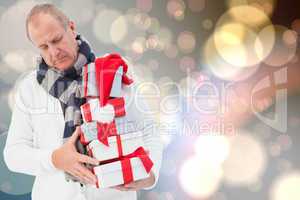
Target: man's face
(57, 45)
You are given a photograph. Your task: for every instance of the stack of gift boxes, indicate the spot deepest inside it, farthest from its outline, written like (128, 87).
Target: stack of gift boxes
(122, 156)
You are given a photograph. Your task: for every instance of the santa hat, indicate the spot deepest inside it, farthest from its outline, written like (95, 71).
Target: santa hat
(106, 68)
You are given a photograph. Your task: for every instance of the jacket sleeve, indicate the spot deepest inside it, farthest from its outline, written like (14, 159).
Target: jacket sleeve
(139, 111)
(20, 154)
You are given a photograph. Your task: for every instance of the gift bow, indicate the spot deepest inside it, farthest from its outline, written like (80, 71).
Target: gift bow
(126, 164)
(143, 156)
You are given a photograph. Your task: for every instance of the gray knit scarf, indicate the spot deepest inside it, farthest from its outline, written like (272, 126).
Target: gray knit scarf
(66, 85)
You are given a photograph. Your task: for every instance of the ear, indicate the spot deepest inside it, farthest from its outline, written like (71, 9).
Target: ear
(72, 26)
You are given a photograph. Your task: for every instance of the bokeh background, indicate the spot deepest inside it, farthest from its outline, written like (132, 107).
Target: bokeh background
(223, 82)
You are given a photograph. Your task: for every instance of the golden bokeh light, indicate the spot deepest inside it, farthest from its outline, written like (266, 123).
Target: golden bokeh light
(238, 45)
(229, 43)
(212, 148)
(128, 28)
(12, 26)
(249, 16)
(207, 24)
(200, 179)
(138, 46)
(215, 63)
(152, 42)
(286, 187)
(102, 28)
(20, 60)
(176, 9)
(246, 161)
(264, 42)
(285, 47)
(118, 29)
(266, 6)
(230, 34)
(289, 37)
(186, 41)
(142, 20)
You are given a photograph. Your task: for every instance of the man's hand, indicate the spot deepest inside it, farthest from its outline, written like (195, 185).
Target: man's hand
(137, 185)
(68, 159)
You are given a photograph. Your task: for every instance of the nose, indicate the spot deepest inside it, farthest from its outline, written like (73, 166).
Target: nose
(54, 51)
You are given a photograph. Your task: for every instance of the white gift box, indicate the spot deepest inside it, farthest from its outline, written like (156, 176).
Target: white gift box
(121, 144)
(91, 111)
(89, 81)
(89, 131)
(111, 174)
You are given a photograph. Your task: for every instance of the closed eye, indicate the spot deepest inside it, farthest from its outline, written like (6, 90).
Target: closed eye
(56, 40)
(43, 47)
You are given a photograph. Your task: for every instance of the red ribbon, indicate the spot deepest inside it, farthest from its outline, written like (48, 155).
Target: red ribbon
(119, 106)
(85, 76)
(117, 103)
(82, 138)
(87, 112)
(105, 130)
(120, 150)
(126, 165)
(119, 145)
(97, 182)
(126, 171)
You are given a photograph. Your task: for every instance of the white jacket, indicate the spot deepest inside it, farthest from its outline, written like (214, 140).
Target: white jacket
(36, 129)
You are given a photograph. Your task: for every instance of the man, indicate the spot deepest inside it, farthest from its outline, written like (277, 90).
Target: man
(36, 143)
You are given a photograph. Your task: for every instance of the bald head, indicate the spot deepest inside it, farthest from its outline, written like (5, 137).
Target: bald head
(54, 35)
(49, 9)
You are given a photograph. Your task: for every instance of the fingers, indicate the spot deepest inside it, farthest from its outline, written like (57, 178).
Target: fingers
(79, 176)
(133, 184)
(139, 184)
(121, 188)
(86, 159)
(86, 174)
